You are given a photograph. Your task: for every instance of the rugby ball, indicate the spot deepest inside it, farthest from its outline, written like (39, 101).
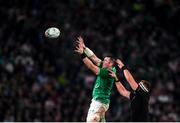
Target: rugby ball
(52, 32)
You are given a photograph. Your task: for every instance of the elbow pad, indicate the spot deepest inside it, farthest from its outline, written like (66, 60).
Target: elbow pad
(88, 52)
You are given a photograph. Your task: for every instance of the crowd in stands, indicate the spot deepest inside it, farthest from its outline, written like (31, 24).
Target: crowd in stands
(43, 79)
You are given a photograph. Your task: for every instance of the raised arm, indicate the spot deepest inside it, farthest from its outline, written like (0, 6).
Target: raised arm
(91, 66)
(89, 53)
(127, 75)
(121, 89)
(86, 60)
(95, 59)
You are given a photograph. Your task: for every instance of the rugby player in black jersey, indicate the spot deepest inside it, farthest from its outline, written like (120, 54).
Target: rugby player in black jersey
(139, 97)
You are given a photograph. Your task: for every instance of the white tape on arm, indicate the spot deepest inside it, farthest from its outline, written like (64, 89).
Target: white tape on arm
(88, 52)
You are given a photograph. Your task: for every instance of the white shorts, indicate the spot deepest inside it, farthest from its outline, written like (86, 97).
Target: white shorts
(96, 107)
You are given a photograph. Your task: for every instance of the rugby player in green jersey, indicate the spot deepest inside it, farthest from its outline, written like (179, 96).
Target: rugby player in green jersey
(104, 82)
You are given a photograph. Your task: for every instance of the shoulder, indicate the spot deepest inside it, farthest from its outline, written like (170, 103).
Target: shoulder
(140, 92)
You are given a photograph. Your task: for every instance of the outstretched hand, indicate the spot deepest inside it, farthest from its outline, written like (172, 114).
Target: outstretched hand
(120, 63)
(80, 41)
(112, 74)
(80, 45)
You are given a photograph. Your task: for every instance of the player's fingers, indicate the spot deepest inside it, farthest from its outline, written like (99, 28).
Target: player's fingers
(110, 74)
(81, 39)
(80, 46)
(77, 41)
(77, 51)
(78, 37)
(117, 60)
(119, 63)
(109, 71)
(77, 48)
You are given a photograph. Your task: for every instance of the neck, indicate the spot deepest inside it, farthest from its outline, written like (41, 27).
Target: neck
(143, 87)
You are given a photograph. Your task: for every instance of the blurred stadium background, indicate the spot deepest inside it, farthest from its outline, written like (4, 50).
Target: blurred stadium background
(44, 80)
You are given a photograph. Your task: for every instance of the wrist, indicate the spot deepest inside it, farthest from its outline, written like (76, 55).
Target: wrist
(116, 79)
(83, 55)
(123, 68)
(88, 52)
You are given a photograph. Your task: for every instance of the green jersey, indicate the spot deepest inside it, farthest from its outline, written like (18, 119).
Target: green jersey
(103, 85)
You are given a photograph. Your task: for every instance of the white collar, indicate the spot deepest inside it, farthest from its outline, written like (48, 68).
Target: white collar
(143, 87)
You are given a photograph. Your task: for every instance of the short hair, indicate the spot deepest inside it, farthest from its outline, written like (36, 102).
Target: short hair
(146, 84)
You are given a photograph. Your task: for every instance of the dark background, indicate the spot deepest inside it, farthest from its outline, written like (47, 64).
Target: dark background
(44, 80)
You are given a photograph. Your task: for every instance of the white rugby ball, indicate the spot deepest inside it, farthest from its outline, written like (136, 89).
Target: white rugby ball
(52, 32)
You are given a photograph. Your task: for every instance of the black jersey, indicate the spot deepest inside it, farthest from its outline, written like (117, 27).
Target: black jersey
(139, 105)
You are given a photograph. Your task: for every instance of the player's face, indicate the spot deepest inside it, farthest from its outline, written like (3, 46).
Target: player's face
(107, 62)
